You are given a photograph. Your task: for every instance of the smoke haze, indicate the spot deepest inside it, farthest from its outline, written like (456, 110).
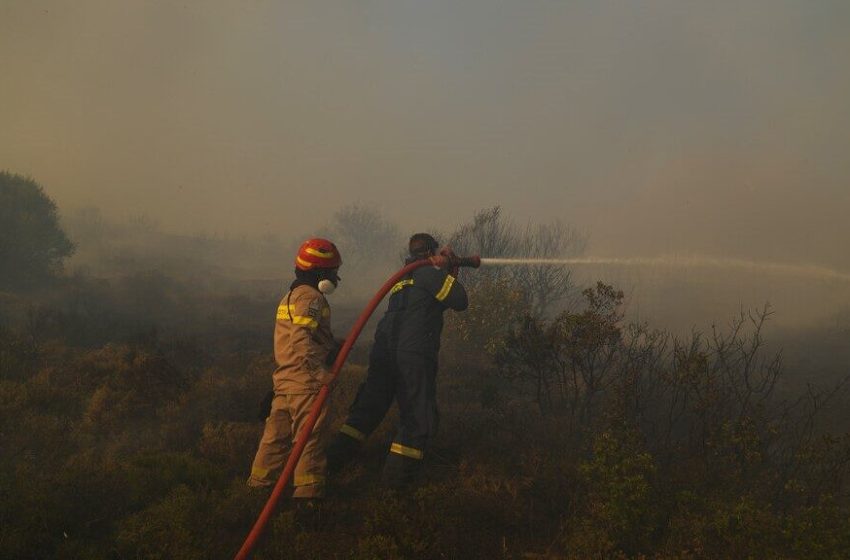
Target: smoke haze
(655, 127)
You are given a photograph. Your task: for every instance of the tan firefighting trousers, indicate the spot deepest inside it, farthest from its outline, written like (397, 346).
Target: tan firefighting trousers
(288, 415)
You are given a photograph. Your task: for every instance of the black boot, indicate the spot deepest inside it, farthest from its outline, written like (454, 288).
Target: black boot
(308, 514)
(341, 451)
(400, 471)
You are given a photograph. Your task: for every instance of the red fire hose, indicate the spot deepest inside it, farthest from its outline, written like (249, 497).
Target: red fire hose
(449, 261)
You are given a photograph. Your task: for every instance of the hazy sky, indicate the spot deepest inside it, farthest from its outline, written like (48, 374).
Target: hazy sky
(657, 126)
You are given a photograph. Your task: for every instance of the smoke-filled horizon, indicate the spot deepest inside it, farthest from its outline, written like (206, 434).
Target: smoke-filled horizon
(655, 127)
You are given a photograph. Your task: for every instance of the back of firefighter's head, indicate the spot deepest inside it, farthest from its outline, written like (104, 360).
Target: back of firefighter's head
(422, 246)
(317, 262)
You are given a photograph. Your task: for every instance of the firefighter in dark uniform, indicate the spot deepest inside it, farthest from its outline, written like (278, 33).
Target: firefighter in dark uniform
(403, 366)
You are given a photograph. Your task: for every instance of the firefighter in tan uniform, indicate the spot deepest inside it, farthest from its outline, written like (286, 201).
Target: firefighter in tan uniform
(304, 350)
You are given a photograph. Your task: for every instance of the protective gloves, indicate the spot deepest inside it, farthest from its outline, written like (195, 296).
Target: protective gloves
(265, 407)
(450, 256)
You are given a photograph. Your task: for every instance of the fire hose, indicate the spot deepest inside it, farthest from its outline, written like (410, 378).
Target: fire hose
(447, 260)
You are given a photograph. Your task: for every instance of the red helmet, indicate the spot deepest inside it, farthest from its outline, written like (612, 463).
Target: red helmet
(317, 253)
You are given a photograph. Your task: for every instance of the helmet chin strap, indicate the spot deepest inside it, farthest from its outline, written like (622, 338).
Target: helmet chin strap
(326, 286)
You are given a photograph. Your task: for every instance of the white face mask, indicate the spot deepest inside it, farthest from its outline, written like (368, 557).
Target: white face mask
(326, 287)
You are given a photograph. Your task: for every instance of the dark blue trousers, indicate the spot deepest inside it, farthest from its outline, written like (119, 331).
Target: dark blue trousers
(409, 378)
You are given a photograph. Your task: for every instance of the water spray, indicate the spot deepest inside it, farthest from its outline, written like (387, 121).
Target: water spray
(803, 271)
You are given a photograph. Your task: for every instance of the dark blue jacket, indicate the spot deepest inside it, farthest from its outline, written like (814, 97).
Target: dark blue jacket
(413, 321)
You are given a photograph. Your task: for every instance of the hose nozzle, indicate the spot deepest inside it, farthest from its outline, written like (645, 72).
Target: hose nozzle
(472, 261)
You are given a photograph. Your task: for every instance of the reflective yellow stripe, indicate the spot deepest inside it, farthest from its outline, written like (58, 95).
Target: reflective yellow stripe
(287, 315)
(399, 286)
(306, 321)
(304, 263)
(406, 451)
(308, 479)
(282, 312)
(352, 432)
(317, 253)
(447, 286)
(259, 472)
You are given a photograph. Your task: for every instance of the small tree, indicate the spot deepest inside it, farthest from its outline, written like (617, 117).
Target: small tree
(568, 361)
(363, 235)
(370, 246)
(32, 245)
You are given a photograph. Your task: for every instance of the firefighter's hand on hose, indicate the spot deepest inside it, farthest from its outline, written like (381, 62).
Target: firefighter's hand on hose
(266, 407)
(451, 260)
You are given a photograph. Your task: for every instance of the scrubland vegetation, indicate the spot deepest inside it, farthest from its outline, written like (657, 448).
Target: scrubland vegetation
(129, 396)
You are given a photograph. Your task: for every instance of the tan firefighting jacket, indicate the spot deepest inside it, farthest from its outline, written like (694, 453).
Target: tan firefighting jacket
(303, 342)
